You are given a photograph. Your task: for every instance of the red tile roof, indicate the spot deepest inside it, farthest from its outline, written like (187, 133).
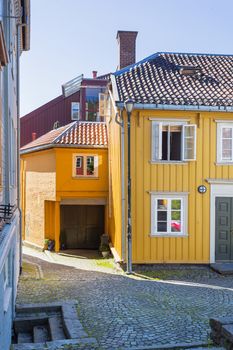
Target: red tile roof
(87, 134)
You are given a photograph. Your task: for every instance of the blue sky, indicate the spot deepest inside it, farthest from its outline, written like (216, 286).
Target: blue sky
(70, 37)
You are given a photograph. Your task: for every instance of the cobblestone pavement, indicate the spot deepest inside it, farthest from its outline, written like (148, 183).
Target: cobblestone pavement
(125, 313)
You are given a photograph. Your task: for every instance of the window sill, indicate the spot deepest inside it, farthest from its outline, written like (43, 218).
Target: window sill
(7, 298)
(224, 163)
(168, 162)
(167, 235)
(86, 177)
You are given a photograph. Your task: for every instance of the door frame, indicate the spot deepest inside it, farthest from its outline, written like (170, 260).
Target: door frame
(218, 188)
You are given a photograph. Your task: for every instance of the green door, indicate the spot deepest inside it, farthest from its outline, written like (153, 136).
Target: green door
(224, 229)
(82, 226)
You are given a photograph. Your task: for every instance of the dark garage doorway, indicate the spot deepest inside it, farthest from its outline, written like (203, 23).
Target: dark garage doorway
(81, 226)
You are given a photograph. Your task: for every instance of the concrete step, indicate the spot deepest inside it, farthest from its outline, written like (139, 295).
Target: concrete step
(31, 346)
(223, 268)
(26, 324)
(40, 334)
(56, 328)
(24, 337)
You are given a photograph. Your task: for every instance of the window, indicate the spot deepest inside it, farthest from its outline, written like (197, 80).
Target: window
(169, 215)
(90, 165)
(225, 142)
(92, 102)
(75, 110)
(173, 141)
(85, 165)
(79, 165)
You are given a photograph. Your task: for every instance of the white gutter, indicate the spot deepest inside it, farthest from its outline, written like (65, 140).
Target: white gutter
(151, 106)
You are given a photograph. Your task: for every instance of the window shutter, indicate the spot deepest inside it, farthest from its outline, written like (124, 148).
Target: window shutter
(189, 142)
(156, 141)
(96, 165)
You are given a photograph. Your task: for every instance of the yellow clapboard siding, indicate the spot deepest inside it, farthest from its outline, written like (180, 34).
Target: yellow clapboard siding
(148, 247)
(149, 177)
(198, 196)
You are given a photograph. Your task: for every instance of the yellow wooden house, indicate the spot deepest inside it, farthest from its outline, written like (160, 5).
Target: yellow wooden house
(181, 130)
(65, 186)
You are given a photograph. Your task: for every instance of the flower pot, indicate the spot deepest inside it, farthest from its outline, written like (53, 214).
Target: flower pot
(105, 254)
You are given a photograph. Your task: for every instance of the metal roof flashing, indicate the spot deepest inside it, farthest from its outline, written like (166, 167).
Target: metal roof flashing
(144, 106)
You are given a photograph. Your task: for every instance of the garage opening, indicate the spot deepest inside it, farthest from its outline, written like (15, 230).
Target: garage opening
(81, 226)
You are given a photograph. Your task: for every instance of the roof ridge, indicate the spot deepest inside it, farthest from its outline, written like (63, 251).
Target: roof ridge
(63, 132)
(194, 53)
(157, 54)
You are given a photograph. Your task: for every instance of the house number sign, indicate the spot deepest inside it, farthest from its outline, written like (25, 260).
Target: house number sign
(202, 189)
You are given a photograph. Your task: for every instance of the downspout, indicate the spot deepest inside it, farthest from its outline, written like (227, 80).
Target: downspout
(121, 123)
(18, 145)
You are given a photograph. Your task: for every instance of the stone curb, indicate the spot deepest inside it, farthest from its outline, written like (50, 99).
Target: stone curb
(72, 326)
(172, 346)
(55, 345)
(49, 255)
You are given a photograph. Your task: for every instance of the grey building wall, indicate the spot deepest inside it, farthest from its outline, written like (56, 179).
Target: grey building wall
(10, 234)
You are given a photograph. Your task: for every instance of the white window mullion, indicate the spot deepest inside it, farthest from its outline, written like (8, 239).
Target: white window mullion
(168, 143)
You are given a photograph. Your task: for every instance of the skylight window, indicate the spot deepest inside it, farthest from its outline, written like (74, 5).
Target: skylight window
(189, 70)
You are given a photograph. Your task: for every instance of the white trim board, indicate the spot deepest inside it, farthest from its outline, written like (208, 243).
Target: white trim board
(83, 201)
(216, 190)
(219, 181)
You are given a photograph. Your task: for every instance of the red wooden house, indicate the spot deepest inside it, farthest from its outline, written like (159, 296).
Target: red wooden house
(79, 101)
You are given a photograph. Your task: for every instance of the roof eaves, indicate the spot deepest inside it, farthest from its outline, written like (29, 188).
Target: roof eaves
(36, 148)
(50, 146)
(153, 56)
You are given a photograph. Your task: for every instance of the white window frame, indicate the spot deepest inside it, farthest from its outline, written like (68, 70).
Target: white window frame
(184, 214)
(73, 110)
(84, 158)
(156, 143)
(220, 127)
(80, 160)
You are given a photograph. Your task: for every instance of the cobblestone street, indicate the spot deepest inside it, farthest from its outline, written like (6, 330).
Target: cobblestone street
(123, 312)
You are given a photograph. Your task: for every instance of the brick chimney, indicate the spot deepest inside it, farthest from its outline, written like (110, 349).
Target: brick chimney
(33, 136)
(127, 48)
